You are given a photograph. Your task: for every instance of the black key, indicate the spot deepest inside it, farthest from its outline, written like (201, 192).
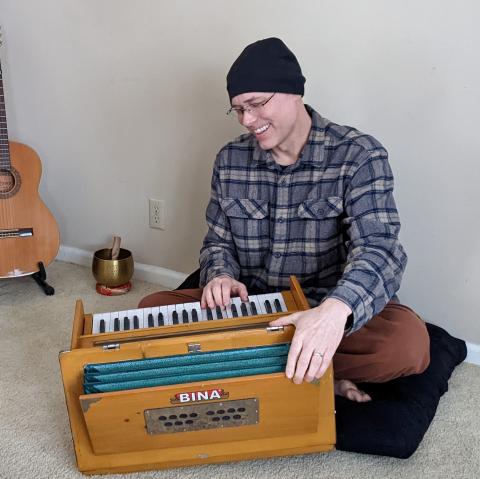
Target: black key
(126, 323)
(243, 308)
(160, 319)
(102, 325)
(254, 308)
(151, 324)
(136, 324)
(194, 316)
(209, 314)
(175, 317)
(219, 312)
(116, 324)
(268, 307)
(234, 311)
(185, 316)
(278, 306)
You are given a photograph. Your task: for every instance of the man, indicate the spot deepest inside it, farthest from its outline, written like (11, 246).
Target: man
(301, 195)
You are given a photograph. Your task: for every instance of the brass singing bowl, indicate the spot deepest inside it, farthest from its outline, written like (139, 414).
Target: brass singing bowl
(112, 272)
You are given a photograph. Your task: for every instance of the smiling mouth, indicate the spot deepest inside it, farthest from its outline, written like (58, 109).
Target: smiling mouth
(262, 129)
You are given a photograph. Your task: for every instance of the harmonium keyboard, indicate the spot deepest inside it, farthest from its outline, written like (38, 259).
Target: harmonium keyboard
(177, 385)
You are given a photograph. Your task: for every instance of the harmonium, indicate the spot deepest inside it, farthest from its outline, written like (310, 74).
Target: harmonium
(178, 386)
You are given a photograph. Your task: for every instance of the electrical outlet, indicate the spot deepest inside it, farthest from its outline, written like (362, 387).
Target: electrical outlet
(156, 209)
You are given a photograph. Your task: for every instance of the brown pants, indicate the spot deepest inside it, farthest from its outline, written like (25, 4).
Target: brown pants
(392, 344)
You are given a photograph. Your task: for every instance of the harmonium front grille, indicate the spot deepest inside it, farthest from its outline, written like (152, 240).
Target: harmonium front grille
(179, 385)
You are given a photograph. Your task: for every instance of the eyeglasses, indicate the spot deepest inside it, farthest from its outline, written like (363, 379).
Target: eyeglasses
(253, 108)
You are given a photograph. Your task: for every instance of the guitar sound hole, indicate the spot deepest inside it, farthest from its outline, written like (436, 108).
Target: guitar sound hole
(9, 182)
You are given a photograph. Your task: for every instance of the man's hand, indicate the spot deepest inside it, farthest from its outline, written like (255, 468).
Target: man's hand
(219, 290)
(318, 332)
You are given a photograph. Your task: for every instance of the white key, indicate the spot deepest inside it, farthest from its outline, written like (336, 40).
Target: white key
(122, 315)
(201, 313)
(254, 299)
(204, 314)
(139, 314)
(113, 315)
(170, 309)
(279, 296)
(96, 322)
(155, 311)
(228, 309)
(164, 311)
(260, 303)
(146, 312)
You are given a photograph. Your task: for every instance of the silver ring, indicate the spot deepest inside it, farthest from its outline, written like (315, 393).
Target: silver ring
(318, 353)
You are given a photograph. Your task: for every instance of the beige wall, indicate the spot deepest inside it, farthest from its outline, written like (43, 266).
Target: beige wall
(125, 100)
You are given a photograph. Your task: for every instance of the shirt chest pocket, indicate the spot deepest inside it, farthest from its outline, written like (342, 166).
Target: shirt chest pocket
(244, 208)
(249, 220)
(319, 209)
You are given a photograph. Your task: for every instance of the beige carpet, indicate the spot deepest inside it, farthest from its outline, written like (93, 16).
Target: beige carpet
(35, 439)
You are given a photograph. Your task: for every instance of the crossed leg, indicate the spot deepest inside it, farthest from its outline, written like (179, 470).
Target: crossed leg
(392, 344)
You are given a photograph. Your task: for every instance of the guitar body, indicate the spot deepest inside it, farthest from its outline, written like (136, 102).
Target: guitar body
(28, 231)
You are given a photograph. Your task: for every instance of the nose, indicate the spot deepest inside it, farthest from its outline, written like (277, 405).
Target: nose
(247, 119)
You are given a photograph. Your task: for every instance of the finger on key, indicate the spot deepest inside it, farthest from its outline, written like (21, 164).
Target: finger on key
(241, 290)
(217, 295)
(225, 294)
(207, 297)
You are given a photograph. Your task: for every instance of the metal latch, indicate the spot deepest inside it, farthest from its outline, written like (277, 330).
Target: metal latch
(271, 329)
(110, 347)
(194, 347)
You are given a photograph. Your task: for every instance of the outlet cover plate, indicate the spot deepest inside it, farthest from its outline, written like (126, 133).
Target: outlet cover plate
(156, 211)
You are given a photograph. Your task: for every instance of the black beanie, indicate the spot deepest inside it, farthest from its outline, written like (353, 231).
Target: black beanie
(265, 66)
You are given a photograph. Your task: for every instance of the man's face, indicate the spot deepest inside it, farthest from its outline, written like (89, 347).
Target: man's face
(273, 123)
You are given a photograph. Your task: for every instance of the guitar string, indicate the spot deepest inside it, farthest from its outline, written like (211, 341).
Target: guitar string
(7, 216)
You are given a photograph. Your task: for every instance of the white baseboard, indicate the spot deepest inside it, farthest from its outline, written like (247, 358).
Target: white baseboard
(144, 272)
(473, 353)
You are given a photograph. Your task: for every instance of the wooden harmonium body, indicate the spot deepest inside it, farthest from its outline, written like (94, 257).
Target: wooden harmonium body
(180, 394)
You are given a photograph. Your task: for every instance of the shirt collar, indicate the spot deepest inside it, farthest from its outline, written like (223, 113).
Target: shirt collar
(312, 151)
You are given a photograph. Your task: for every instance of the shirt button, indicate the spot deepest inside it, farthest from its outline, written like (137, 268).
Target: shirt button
(281, 220)
(277, 255)
(320, 211)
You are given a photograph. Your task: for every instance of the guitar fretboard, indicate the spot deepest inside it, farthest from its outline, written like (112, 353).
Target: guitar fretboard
(4, 149)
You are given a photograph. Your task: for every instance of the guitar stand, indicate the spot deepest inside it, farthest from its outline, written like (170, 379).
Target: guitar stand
(40, 277)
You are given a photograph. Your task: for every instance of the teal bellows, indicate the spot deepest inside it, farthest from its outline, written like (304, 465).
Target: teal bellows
(184, 368)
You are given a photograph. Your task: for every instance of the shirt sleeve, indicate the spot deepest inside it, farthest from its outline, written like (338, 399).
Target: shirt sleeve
(376, 259)
(218, 253)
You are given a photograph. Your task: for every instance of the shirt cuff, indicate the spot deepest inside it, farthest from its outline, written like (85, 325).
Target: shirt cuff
(352, 299)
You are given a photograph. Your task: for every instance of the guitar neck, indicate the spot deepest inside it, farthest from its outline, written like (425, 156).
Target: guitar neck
(4, 149)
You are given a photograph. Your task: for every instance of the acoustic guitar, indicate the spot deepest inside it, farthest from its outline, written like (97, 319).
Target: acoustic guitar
(29, 236)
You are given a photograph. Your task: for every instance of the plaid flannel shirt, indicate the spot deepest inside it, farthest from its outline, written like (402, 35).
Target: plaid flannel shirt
(330, 219)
